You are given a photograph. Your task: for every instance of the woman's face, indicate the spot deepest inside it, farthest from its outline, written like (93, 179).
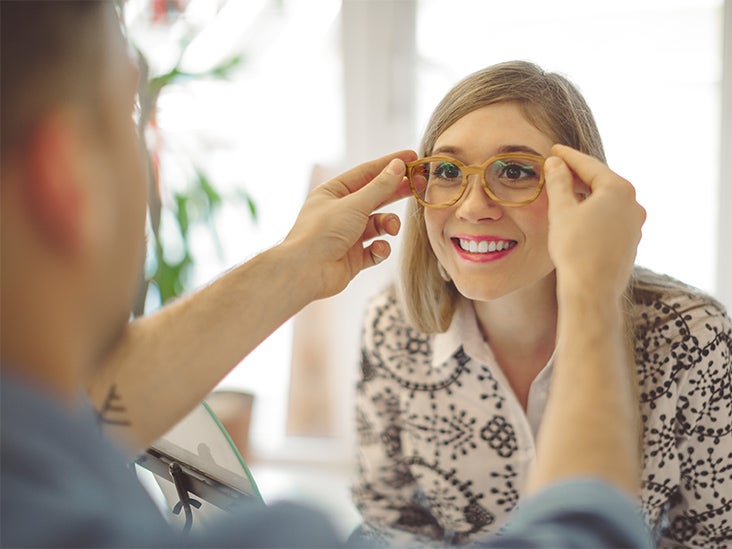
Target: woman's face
(520, 232)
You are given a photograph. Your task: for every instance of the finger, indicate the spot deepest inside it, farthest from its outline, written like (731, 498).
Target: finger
(375, 253)
(389, 224)
(355, 178)
(559, 184)
(383, 223)
(589, 169)
(402, 191)
(386, 187)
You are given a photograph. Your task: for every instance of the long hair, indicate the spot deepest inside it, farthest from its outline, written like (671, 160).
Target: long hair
(550, 102)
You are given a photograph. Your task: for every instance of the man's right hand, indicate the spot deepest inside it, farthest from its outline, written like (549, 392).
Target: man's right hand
(334, 232)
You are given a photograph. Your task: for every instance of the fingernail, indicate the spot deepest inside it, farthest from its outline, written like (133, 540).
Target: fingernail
(394, 224)
(379, 254)
(395, 167)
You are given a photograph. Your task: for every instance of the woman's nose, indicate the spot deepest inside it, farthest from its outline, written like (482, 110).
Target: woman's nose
(475, 204)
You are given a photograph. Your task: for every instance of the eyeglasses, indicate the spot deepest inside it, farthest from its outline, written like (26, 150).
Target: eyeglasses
(513, 179)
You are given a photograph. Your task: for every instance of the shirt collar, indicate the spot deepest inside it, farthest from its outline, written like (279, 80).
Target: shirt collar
(462, 332)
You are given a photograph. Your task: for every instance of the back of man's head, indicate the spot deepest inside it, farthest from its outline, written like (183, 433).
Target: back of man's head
(49, 56)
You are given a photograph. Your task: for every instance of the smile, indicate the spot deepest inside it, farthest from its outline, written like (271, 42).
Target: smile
(484, 246)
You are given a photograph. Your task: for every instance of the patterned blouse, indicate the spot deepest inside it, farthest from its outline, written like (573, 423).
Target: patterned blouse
(444, 445)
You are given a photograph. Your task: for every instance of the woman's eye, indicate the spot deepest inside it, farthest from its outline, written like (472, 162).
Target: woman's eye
(446, 170)
(515, 171)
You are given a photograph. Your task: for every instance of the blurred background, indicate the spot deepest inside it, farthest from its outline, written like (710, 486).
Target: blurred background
(247, 104)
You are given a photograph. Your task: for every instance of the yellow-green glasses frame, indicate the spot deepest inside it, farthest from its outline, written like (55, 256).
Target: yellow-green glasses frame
(476, 170)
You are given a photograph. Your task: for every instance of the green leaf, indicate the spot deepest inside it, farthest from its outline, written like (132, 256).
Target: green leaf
(157, 83)
(212, 195)
(181, 216)
(252, 208)
(223, 70)
(243, 195)
(171, 278)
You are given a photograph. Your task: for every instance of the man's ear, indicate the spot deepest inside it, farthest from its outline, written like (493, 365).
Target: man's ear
(54, 194)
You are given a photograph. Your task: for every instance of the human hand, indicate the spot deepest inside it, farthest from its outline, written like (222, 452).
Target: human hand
(337, 220)
(592, 242)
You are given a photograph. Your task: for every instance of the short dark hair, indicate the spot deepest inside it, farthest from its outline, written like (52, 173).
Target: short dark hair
(50, 54)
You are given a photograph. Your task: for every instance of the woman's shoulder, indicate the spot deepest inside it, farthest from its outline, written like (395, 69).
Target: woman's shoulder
(386, 307)
(663, 297)
(677, 327)
(385, 319)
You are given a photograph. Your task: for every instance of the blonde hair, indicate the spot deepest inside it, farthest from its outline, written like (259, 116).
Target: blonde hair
(550, 102)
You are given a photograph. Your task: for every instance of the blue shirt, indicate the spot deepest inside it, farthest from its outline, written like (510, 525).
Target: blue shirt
(63, 484)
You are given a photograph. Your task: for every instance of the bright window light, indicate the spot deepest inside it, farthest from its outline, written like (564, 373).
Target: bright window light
(650, 71)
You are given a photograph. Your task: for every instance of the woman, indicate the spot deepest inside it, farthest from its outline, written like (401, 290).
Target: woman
(457, 359)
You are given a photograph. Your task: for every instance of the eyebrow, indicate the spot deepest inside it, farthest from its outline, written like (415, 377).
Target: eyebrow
(504, 149)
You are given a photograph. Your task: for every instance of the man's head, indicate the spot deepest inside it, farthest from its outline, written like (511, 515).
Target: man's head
(73, 185)
(51, 55)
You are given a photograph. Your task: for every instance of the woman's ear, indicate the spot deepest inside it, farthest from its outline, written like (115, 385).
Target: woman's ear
(54, 195)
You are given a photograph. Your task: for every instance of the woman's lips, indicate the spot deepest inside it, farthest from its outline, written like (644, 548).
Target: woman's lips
(483, 249)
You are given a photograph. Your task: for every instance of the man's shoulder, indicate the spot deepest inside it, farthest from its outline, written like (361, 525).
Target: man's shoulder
(58, 470)
(576, 513)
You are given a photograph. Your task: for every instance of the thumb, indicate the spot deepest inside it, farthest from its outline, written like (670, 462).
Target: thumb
(559, 184)
(382, 189)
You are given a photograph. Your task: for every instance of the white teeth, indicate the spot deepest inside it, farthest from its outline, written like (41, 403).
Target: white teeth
(485, 246)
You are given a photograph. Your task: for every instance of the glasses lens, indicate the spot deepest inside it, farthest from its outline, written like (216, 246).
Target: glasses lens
(514, 179)
(436, 182)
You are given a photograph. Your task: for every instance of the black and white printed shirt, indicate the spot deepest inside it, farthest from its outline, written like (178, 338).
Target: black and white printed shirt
(445, 446)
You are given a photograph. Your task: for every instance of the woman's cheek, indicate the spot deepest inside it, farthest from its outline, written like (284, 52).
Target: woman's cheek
(435, 225)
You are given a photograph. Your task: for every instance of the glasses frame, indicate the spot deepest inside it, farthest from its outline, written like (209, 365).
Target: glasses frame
(476, 170)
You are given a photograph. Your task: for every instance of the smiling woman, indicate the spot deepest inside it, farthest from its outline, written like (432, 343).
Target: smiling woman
(521, 222)
(456, 361)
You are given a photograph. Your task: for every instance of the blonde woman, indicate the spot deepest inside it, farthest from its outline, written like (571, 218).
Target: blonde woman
(458, 356)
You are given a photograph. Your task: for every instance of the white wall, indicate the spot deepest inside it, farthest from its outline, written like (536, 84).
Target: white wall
(723, 286)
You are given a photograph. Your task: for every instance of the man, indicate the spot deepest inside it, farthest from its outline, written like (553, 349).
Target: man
(73, 210)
